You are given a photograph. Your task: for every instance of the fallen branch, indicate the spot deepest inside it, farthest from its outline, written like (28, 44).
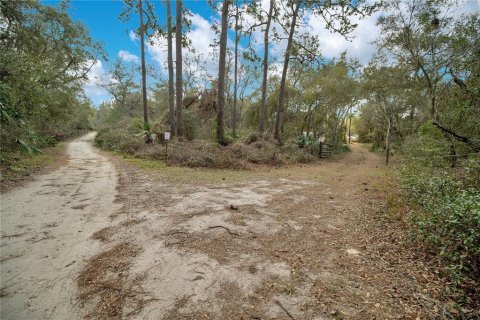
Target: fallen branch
(228, 230)
(284, 309)
(210, 285)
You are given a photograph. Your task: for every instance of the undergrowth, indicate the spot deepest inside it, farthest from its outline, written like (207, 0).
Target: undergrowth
(444, 214)
(128, 140)
(16, 166)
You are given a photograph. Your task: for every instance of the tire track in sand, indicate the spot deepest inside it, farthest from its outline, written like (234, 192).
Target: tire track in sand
(45, 234)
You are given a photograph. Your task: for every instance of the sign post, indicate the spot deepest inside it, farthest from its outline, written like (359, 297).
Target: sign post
(166, 138)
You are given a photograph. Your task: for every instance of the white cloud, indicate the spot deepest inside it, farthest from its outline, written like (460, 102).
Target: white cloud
(331, 45)
(128, 57)
(359, 46)
(201, 36)
(95, 76)
(133, 36)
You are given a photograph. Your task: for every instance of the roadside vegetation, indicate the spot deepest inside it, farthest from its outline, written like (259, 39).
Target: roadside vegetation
(18, 167)
(416, 101)
(45, 57)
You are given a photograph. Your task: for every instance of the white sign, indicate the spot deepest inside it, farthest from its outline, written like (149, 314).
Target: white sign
(167, 136)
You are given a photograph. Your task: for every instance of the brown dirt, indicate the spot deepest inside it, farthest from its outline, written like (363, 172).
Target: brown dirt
(308, 242)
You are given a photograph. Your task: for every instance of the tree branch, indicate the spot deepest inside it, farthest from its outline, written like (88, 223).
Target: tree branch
(475, 147)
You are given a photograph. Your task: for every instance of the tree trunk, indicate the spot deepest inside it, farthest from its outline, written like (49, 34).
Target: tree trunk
(261, 126)
(179, 79)
(171, 90)
(235, 85)
(220, 133)
(281, 94)
(309, 120)
(144, 72)
(412, 119)
(350, 129)
(387, 141)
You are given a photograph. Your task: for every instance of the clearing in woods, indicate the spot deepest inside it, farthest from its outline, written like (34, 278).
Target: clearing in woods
(102, 238)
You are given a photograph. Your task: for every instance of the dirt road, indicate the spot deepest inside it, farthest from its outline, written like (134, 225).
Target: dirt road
(46, 227)
(303, 242)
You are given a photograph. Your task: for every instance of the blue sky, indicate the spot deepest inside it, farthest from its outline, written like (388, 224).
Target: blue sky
(101, 19)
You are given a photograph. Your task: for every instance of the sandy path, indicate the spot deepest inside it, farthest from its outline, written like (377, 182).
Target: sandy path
(45, 231)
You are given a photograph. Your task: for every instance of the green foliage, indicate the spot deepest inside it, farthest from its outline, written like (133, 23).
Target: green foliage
(305, 141)
(446, 215)
(16, 166)
(252, 137)
(303, 157)
(27, 148)
(342, 148)
(425, 145)
(127, 137)
(190, 129)
(309, 148)
(44, 60)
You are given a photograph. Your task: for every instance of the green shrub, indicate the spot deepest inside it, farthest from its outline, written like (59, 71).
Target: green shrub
(190, 126)
(304, 141)
(203, 154)
(446, 215)
(303, 157)
(342, 148)
(252, 137)
(308, 149)
(119, 141)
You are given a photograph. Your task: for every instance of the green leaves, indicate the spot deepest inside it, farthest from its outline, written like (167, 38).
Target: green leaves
(27, 147)
(44, 60)
(446, 214)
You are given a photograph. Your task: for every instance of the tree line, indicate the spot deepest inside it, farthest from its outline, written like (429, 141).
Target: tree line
(281, 19)
(45, 58)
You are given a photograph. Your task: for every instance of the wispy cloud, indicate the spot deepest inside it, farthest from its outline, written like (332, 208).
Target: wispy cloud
(128, 57)
(133, 36)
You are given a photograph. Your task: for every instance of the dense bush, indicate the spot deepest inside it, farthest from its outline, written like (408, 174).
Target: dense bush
(446, 215)
(127, 137)
(43, 52)
(309, 145)
(210, 155)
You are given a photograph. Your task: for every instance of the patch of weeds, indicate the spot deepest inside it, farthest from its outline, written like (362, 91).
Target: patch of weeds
(146, 163)
(376, 172)
(191, 175)
(289, 288)
(15, 166)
